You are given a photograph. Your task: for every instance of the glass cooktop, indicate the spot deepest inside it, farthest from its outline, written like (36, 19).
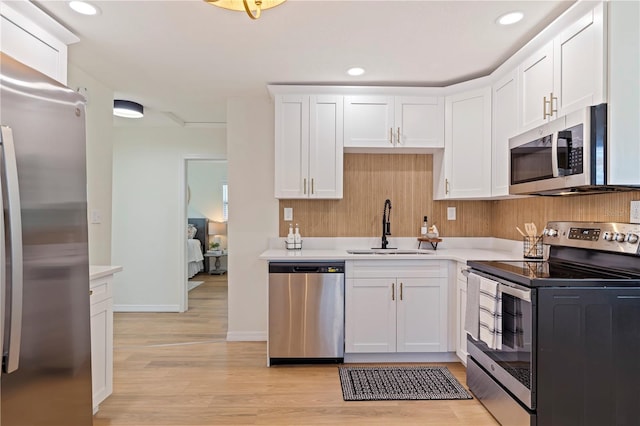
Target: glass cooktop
(541, 273)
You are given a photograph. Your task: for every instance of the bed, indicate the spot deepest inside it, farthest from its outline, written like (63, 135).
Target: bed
(197, 244)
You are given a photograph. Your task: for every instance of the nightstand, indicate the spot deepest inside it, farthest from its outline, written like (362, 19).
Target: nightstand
(217, 254)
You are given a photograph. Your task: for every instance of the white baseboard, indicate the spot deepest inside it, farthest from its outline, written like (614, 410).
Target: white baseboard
(246, 336)
(403, 357)
(146, 308)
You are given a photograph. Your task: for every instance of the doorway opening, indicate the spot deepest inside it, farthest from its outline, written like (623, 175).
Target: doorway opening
(205, 217)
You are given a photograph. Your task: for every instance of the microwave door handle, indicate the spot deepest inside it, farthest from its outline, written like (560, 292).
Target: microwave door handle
(554, 154)
(11, 354)
(515, 292)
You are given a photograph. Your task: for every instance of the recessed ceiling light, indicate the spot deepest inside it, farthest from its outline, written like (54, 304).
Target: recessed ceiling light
(127, 109)
(355, 71)
(83, 7)
(510, 18)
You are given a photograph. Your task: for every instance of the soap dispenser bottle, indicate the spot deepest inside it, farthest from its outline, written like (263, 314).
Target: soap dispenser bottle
(290, 238)
(424, 228)
(297, 238)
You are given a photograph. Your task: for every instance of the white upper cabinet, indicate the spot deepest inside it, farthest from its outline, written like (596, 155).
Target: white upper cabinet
(35, 39)
(504, 126)
(308, 146)
(379, 121)
(579, 62)
(536, 87)
(624, 93)
(566, 74)
(465, 171)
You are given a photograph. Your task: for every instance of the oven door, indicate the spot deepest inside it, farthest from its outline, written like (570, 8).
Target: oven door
(513, 365)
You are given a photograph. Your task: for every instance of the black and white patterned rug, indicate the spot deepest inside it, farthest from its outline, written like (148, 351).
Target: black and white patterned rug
(399, 383)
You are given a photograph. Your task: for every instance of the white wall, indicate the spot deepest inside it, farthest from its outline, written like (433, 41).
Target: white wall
(99, 161)
(205, 178)
(148, 211)
(253, 213)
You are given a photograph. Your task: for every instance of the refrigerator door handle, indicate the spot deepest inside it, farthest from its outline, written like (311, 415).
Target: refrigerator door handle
(11, 354)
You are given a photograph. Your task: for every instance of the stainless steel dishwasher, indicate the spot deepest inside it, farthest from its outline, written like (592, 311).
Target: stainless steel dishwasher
(306, 312)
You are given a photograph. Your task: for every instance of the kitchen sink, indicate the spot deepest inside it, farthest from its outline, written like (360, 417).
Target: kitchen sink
(387, 251)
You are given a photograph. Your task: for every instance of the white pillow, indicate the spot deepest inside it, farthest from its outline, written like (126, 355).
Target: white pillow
(191, 231)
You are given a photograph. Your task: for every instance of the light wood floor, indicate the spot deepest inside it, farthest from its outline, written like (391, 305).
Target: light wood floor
(178, 370)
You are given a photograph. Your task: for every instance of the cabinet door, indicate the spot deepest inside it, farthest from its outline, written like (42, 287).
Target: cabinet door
(368, 121)
(623, 92)
(101, 350)
(419, 122)
(422, 315)
(579, 63)
(292, 147)
(468, 144)
(536, 84)
(325, 146)
(505, 125)
(35, 39)
(370, 315)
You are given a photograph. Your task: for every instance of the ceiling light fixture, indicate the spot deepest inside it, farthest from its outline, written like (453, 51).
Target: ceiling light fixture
(252, 7)
(127, 109)
(510, 18)
(355, 71)
(83, 8)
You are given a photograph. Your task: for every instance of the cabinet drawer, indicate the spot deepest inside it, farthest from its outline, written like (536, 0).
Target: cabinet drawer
(100, 289)
(395, 268)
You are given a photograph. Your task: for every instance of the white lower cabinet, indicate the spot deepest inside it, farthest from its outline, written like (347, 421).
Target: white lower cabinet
(396, 306)
(101, 339)
(461, 307)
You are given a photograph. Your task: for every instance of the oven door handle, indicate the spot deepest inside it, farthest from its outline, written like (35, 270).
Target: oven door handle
(515, 292)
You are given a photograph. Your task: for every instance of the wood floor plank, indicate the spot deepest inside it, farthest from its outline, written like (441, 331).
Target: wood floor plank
(179, 370)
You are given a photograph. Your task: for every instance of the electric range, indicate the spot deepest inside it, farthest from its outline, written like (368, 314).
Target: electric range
(566, 330)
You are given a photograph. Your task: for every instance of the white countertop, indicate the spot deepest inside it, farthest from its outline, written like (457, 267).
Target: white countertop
(458, 249)
(99, 271)
(459, 255)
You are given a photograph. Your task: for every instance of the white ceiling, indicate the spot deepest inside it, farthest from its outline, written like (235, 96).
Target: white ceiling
(187, 57)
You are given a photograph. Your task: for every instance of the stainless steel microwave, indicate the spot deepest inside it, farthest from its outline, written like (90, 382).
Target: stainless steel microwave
(566, 155)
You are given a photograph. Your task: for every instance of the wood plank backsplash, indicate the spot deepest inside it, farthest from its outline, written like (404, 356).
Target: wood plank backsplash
(407, 180)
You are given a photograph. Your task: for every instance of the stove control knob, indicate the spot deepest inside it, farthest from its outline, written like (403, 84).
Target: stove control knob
(552, 232)
(632, 238)
(608, 236)
(619, 237)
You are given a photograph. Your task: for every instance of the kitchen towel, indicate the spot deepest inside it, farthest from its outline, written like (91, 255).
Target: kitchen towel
(490, 314)
(472, 314)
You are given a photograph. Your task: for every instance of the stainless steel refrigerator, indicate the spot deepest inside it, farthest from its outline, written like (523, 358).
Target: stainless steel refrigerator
(46, 351)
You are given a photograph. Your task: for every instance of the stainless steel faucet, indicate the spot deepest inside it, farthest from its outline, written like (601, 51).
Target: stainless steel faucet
(386, 224)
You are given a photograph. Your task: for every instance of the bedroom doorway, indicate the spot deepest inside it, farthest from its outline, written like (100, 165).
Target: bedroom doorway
(206, 208)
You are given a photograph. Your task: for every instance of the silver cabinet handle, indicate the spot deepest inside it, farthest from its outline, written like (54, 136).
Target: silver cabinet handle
(552, 110)
(393, 291)
(446, 186)
(304, 186)
(11, 354)
(400, 291)
(391, 135)
(398, 140)
(312, 187)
